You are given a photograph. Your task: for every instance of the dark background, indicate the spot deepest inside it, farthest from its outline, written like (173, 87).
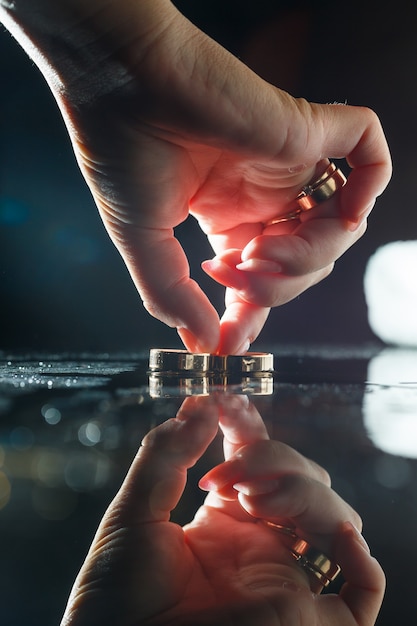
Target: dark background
(63, 285)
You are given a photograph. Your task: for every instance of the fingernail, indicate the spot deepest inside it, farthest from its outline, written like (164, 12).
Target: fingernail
(354, 226)
(260, 265)
(190, 341)
(205, 484)
(257, 487)
(243, 348)
(224, 274)
(359, 538)
(208, 484)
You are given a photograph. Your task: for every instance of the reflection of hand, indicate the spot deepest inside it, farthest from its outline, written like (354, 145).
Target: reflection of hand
(165, 122)
(225, 567)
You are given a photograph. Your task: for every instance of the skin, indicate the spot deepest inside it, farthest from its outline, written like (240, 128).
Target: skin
(225, 567)
(166, 123)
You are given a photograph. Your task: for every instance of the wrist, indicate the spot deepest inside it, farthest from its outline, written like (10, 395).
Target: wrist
(86, 47)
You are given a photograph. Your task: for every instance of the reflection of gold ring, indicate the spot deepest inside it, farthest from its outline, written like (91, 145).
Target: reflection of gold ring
(170, 385)
(313, 194)
(315, 561)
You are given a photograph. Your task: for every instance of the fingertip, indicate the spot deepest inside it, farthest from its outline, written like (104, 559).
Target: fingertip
(260, 265)
(354, 223)
(188, 339)
(231, 341)
(225, 274)
(352, 533)
(198, 344)
(205, 484)
(239, 327)
(364, 586)
(218, 483)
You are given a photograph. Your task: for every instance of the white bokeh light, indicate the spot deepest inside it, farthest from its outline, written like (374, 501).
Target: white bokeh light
(390, 285)
(390, 402)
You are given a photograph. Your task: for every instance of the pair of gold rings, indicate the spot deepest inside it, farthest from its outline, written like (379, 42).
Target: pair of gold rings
(315, 562)
(316, 192)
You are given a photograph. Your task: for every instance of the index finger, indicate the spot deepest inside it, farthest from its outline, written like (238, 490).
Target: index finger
(158, 474)
(159, 268)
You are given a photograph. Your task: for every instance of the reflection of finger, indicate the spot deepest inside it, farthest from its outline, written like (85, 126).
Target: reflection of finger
(364, 588)
(240, 423)
(314, 508)
(159, 268)
(157, 477)
(261, 464)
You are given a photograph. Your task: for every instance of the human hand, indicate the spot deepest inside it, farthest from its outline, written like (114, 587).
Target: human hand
(225, 566)
(166, 123)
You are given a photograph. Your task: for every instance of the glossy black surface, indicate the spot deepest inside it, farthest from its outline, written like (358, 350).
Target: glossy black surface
(70, 427)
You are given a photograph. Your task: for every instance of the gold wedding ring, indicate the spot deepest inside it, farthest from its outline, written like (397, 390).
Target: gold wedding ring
(321, 189)
(281, 528)
(315, 562)
(314, 193)
(180, 361)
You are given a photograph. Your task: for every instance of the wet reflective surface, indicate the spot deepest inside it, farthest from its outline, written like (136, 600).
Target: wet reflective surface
(70, 426)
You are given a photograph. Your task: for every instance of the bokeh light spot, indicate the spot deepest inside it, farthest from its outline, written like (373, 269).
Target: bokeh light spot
(89, 434)
(51, 414)
(22, 438)
(5, 490)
